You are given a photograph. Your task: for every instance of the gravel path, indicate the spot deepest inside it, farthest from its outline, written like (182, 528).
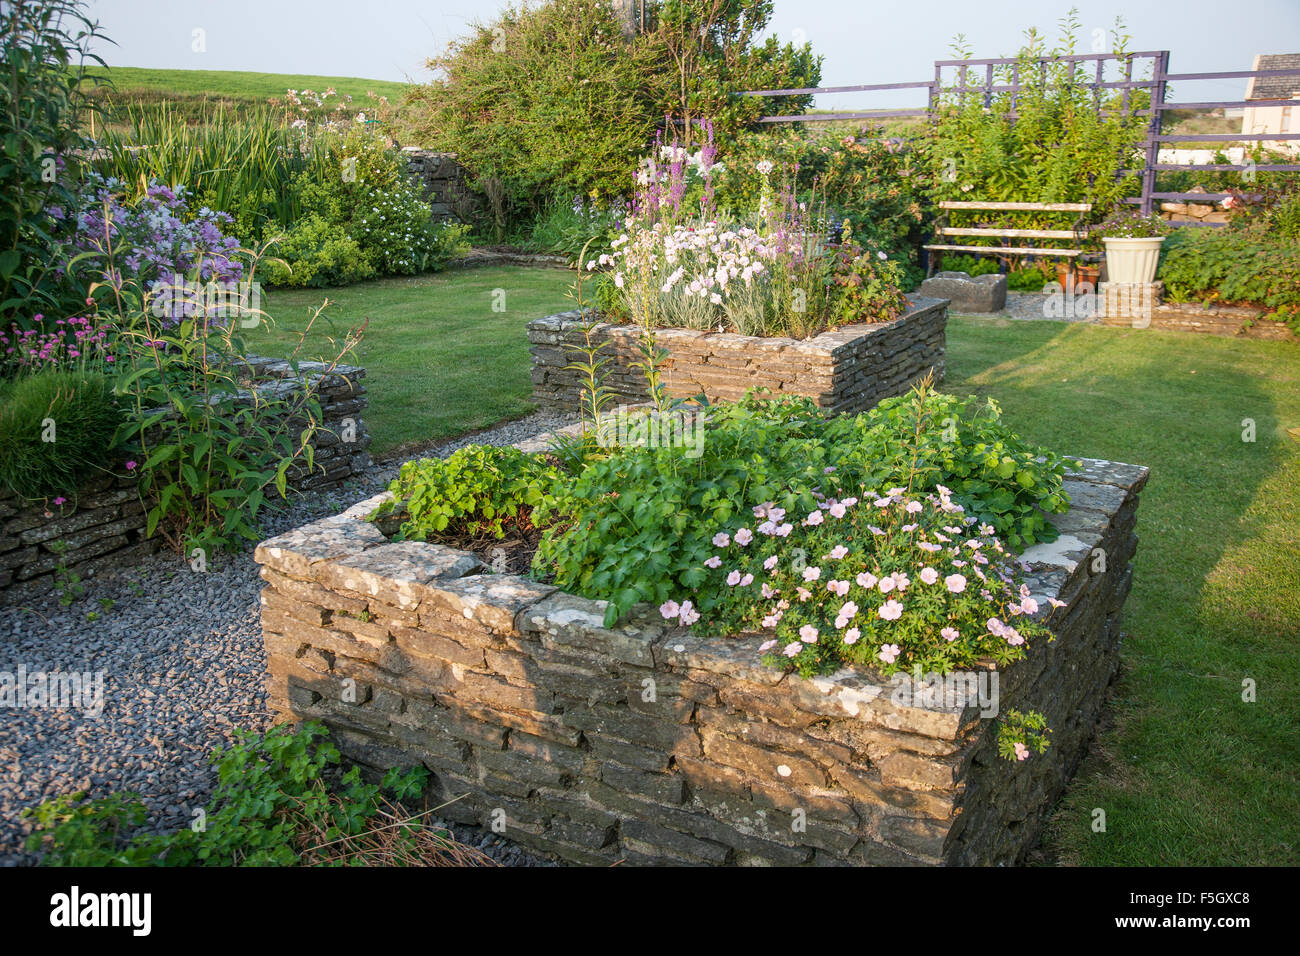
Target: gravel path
(182, 659)
(1028, 305)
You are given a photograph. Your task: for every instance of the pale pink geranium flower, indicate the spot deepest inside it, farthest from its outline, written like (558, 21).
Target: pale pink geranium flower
(889, 653)
(767, 527)
(713, 562)
(837, 552)
(838, 587)
(929, 575)
(770, 563)
(808, 634)
(721, 539)
(886, 584)
(866, 580)
(891, 610)
(783, 531)
(914, 506)
(837, 510)
(956, 583)
(901, 581)
(804, 594)
(814, 519)
(852, 635)
(689, 615)
(1055, 603)
(812, 573)
(670, 609)
(747, 580)
(950, 634)
(792, 649)
(1028, 605)
(1022, 752)
(733, 579)
(744, 536)
(766, 645)
(768, 591)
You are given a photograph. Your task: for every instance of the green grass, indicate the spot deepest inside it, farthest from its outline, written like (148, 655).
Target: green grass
(1186, 771)
(240, 83)
(439, 361)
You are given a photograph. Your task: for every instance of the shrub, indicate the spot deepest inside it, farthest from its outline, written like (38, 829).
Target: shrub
(1247, 266)
(279, 801)
(478, 489)
(57, 427)
(315, 254)
(892, 579)
(638, 524)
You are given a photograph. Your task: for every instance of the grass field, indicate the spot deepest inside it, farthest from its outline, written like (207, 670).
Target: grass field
(1187, 772)
(439, 360)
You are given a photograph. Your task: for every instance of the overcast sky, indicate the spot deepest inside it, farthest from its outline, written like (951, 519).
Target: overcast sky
(863, 41)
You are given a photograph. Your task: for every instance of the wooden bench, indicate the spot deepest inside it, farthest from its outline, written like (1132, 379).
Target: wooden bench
(942, 229)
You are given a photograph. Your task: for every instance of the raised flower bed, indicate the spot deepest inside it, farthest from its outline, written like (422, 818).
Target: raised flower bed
(849, 369)
(646, 743)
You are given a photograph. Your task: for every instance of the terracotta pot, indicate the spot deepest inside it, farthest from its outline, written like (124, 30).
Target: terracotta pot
(1065, 275)
(1087, 274)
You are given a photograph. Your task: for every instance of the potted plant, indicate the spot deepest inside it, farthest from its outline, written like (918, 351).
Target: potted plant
(1089, 272)
(1133, 247)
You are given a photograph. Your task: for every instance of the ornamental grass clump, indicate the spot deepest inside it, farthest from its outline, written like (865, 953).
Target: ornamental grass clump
(894, 580)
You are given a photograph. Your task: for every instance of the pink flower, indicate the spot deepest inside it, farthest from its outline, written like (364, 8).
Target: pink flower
(804, 594)
(1055, 603)
(768, 591)
(767, 527)
(770, 563)
(837, 552)
(771, 620)
(811, 573)
(886, 584)
(721, 539)
(866, 580)
(814, 519)
(792, 649)
(1028, 605)
(808, 634)
(913, 507)
(956, 583)
(950, 634)
(1022, 752)
(766, 645)
(747, 580)
(713, 562)
(130, 466)
(689, 615)
(852, 635)
(744, 536)
(901, 580)
(783, 531)
(670, 609)
(891, 610)
(838, 587)
(889, 653)
(60, 500)
(733, 578)
(929, 575)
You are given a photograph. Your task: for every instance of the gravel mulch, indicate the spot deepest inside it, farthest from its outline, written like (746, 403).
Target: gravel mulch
(181, 653)
(1028, 305)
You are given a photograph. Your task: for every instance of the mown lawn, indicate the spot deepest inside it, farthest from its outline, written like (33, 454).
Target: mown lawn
(439, 360)
(1186, 771)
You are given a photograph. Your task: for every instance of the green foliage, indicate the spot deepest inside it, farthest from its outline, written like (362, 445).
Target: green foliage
(881, 187)
(315, 253)
(565, 228)
(1131, 226)
(271, 807)
(478, 489)
(42, 93)
(638, 524)
(39, 459)
(1028, 278)
(1059, 147)
(362, 216)
(1253, 266)
(1020, 734)
(551, 102)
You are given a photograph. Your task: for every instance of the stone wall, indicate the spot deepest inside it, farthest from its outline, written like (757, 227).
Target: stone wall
(102, 524)
(647, 745)
(847, 370)
(1138, 306)
(443, 181)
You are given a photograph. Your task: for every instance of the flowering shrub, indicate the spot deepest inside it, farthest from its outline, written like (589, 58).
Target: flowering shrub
(1020, 734)
(777, 274)
(637, 525)
(894, 580)
(149, 242)
(73, 342)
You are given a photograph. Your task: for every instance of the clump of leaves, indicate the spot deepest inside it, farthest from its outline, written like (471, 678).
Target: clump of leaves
(1020, 734)
(271, 807)
(479, 489)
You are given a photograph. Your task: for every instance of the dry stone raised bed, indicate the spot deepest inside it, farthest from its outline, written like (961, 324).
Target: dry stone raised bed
(645, 744)
(847, 370)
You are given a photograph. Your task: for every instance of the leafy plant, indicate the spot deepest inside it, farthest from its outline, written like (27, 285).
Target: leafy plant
(478, 489)
(1020, 734)
(272, 806)
(892, 580)
(1133, 227)
(56, 427)
(1247, 266)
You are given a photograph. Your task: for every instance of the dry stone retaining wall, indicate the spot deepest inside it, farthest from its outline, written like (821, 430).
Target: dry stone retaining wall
(103, 523)
(443, 181)
(645, 744)
(848, 370)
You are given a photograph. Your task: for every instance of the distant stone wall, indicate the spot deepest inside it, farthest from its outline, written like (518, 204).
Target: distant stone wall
(1139, 306)
(847, 370)
(443, 180)
(102, 523)
(646, 744)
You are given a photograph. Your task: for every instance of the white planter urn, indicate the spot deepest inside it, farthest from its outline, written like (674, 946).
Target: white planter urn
(1132, 260)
